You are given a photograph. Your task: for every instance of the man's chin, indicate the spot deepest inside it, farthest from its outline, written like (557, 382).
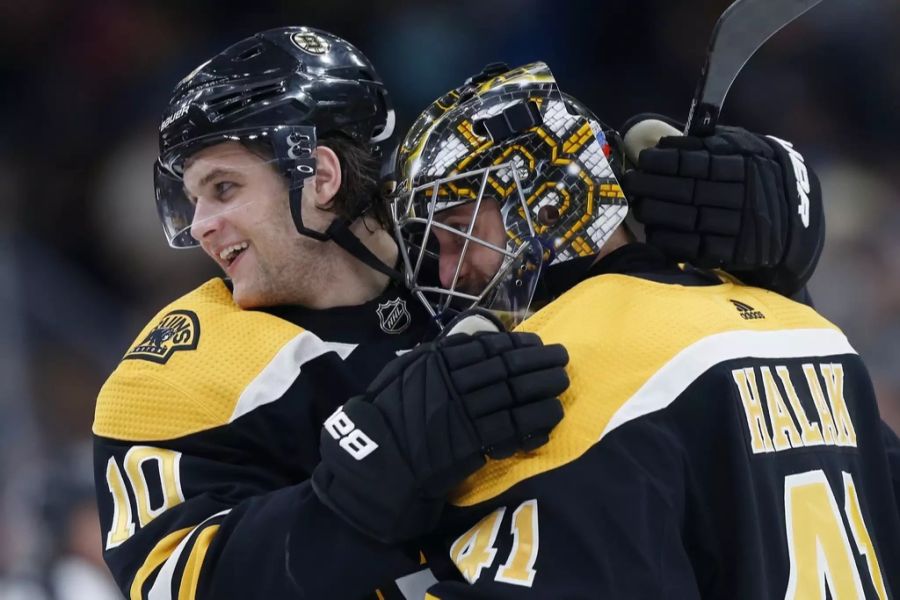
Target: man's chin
(246, 297)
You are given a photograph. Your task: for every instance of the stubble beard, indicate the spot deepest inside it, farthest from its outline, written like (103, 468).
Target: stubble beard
(291, 275)
(297, 276)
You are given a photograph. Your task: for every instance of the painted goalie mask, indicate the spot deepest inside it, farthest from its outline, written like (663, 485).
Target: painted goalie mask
(498, 180)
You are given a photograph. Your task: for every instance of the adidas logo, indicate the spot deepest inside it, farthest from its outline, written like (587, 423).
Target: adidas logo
(746, 311)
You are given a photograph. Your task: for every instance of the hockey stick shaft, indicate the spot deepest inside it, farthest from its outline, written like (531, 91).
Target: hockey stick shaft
(740, 31)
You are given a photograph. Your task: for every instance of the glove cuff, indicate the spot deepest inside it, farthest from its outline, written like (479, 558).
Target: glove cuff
(806, 220)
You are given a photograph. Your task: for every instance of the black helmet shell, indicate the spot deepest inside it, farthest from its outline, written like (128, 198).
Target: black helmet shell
(285, 76)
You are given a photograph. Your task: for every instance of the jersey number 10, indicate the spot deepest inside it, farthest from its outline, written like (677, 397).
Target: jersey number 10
(167, 466)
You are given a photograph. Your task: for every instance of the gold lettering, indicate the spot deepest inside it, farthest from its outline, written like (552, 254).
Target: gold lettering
(817, 541)
(123, 525)
(756, 421)
(167, 464)
(810, 432)
(779, 415)
(861, 535)
(834, 384)
(828, 431)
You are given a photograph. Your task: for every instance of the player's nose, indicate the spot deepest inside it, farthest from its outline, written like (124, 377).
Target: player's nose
(447, 270)
(205, 221)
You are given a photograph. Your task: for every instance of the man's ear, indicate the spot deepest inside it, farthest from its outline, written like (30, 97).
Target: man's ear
(328, 176)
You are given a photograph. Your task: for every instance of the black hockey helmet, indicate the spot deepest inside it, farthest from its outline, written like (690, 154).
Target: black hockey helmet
(285, 87)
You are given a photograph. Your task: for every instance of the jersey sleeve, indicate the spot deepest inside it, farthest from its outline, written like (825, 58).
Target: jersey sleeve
(204, 437)
(229, 533)
(892, 448)
(197, 517)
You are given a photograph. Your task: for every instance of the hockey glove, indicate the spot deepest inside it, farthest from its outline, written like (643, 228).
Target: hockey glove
(391, 457)
(735, 200)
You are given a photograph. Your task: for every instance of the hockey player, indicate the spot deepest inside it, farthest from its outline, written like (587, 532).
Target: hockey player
(719, 440)
(209, 429)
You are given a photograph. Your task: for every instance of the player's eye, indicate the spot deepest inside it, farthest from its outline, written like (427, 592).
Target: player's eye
(224, 189)
(459, 226)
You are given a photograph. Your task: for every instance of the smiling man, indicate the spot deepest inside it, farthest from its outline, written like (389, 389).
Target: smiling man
(240, 199)
(208, 432)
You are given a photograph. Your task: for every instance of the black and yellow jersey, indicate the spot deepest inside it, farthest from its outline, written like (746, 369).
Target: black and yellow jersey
(205, 435)
(719, 441)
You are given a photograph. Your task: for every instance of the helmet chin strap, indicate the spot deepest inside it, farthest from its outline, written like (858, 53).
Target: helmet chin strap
(339, 232)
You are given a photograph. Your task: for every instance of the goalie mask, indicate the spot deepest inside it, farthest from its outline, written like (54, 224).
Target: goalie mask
(498, 180)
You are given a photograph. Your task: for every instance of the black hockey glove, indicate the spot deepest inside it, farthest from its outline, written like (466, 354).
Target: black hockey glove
(735, 200)
(391, 457)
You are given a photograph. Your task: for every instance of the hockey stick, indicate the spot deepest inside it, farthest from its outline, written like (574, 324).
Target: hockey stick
(739, 32)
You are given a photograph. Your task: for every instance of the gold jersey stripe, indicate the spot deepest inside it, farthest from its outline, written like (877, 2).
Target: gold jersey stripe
(157, 556)
(620, 331)
(194, 389)
(166, 577)
(194, 564)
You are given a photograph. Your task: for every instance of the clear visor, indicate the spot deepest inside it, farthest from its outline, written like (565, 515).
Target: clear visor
(209, 178)
(463, 249)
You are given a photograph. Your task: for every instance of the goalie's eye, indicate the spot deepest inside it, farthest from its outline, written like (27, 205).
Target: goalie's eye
(224, 189)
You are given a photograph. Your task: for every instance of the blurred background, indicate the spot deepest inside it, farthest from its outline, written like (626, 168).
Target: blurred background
(84, 264)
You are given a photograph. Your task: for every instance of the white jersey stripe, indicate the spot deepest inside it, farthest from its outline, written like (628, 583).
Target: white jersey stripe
(684, 368)
(275, 379)
(415, 585)
(162, 586)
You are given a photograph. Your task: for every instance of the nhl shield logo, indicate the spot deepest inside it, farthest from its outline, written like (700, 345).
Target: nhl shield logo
(311, 42)
(178, 330)
(393, 315)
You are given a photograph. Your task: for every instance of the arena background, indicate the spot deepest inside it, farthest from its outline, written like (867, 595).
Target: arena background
(83, 262)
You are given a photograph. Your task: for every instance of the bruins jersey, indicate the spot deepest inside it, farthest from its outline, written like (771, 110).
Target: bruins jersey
(719, 441)
(206, 433)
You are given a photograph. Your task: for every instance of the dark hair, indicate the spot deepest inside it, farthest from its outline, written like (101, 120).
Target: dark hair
(360, 192)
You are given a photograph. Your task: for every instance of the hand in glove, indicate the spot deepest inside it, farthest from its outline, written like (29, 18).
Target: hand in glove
(735, 200)
(391, 457)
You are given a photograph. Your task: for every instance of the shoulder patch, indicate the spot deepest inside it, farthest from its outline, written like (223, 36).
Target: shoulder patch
(158, 393)
(177, 330)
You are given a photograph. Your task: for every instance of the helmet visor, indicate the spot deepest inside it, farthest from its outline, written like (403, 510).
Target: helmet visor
(207, 178)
